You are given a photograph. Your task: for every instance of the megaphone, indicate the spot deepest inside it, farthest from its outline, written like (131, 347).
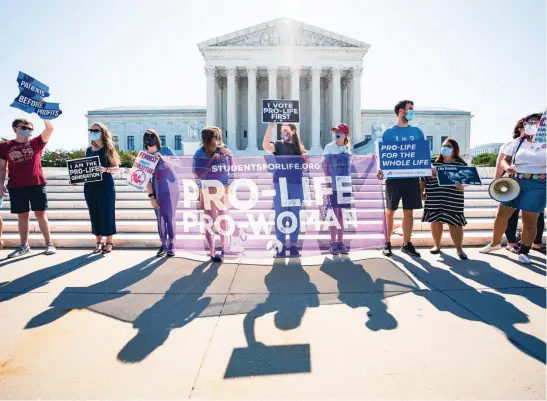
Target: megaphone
(504, 189)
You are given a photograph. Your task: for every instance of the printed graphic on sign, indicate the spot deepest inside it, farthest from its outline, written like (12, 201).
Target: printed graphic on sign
(405, 159)
(450, 176)
(142, 170)
(540, 135)
(280, 111)
(87, 169)
(30, 98)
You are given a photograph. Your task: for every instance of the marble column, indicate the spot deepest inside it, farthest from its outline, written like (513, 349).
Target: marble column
(231, 109)
(336, 97)
(219, 103)
(350, 119)
(272, 83)
(345, 101)
(316, 111)
(251, 109)
(295, 83)
(210, 72)
(357, 134)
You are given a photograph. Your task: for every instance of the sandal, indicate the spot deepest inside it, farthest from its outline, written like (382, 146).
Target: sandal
(512, 248)
(98, 248)
(106, 249)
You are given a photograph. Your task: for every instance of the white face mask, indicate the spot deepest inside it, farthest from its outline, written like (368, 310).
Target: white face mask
(530, 129)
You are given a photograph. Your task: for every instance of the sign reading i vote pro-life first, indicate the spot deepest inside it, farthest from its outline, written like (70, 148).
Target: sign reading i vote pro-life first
(540, 134)
(87, 169)
(280, 111)
(30, 98)
(405, 159)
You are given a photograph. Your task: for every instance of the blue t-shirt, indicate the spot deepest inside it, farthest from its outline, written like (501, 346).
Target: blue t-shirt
(212, 169)
(397, 134)
(163, 173)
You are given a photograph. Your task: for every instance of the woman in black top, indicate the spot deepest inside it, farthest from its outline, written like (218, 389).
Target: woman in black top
(445, 205)
(101, 196)
(293, 152)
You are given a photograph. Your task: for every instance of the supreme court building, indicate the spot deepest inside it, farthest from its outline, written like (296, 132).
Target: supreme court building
(280, 59)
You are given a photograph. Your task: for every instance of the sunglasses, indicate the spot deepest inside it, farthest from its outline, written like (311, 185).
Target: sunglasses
(27, 128)
(95, 131)
(532, 122)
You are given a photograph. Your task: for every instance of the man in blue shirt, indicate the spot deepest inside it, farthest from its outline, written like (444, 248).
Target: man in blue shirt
(405, 189)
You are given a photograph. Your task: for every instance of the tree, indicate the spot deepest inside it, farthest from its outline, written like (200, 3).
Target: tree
(485, 160)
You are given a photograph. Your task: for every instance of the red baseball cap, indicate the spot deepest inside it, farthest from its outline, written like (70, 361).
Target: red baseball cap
(342, 128)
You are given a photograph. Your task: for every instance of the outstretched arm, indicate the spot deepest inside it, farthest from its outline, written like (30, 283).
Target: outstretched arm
(267, 142)
(48, 130)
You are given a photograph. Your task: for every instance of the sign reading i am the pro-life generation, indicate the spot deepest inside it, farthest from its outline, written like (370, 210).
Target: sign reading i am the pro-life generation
(404, 159)
(142, 170)
(280, 111)
(451, 175)
(87, 169)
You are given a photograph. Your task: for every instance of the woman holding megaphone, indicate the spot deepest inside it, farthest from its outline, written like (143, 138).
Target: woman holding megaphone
(526, 162)
(513, 242)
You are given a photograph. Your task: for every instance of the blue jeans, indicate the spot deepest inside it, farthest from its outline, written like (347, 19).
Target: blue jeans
(295, 191)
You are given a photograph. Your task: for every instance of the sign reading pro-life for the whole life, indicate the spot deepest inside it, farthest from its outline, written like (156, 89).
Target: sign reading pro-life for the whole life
(280, 111)
(405, 159)
(87, 169)
(142, 170)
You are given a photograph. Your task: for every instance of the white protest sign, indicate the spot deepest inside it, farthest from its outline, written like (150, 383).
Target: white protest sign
(142, 170)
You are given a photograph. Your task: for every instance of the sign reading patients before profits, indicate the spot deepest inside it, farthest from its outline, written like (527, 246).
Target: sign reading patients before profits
(280, 111)
(450, 176)
(142, 170)
(31, 98)
(87, 169)
(405, 159)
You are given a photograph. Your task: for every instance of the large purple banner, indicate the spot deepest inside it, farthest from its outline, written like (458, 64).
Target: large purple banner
(267, 206)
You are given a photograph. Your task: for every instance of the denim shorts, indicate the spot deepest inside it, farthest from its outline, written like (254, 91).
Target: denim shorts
(531, 197)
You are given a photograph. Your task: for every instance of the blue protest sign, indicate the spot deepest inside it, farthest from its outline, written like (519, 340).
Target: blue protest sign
(451, 175)
(404, 159)
(30, 98)
(540, 135)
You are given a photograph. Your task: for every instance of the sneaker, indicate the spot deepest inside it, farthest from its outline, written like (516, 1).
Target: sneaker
(281, 253)
(462, 255)
(410, 250)
(161, 252)
(293, 252)
(342, 248)
(434, 251)
(50, 249)
(19, 251)
(216, 259)
(524, 259)
(170, 254)
(490, 248)
(333, 249)
(387, 250)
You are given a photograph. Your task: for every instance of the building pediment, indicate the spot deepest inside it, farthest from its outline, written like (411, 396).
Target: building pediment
(283, 32)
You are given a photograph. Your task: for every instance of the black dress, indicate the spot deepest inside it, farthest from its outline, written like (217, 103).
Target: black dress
(101, 199)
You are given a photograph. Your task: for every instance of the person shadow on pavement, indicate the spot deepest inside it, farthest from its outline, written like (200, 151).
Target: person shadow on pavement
(466, 302)
(40, 278)
(183, 302)
(290, 294)
(114, 287)
(357, 288)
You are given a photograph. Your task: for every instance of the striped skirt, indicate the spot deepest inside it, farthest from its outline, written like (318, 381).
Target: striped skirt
(438, 216)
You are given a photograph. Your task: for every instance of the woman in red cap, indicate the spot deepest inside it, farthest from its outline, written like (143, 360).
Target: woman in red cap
(336, 164)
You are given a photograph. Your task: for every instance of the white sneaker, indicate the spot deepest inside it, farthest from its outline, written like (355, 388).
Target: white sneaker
(490, 248)
(50, 249)
(524, 259)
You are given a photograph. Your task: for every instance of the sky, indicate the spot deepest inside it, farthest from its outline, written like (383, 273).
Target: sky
(483, 56)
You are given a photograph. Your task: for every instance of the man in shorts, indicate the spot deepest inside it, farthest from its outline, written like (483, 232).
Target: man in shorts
(26, 184)
(405, 189)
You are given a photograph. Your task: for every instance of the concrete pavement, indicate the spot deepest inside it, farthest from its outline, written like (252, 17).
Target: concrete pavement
(128, 325)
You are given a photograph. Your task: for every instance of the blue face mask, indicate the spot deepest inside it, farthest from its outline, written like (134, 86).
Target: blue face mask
(285, 135)
(446, 151)
(25, 133)
(95, 136)
(410, 115)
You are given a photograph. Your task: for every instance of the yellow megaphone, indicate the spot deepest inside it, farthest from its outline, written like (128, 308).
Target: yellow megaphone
(504, 189)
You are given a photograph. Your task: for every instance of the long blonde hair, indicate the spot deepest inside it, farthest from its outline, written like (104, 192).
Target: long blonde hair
(109, 149)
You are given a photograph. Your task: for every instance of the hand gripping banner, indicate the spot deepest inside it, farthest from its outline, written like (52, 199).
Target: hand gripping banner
(263, 205)
(30, 98)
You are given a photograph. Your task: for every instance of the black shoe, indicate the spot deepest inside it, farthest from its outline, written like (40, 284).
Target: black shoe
(170, 254)
(434, 251)
(216, 259)
(293, 252)
(387, 250)
(281, 253)
(410, 250)
(161, 252)
(462, 256)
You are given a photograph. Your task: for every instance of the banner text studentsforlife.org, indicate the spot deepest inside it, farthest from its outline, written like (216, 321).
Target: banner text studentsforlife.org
(245, 198)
